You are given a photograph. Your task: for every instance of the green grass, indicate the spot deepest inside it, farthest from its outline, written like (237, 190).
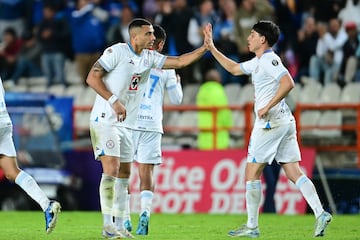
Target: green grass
(87, 225)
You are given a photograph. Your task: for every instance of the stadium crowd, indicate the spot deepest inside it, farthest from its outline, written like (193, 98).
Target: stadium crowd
(319, 39)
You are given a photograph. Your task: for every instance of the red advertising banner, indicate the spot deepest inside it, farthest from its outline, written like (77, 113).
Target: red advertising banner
(193, 181)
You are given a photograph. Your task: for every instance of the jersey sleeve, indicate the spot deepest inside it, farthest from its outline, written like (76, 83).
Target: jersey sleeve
(159, 59)
(249, 66)
(274, 67)
(173, 87)
(111, 57)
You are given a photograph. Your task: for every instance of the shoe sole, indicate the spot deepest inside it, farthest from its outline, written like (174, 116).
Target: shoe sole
(55, 209)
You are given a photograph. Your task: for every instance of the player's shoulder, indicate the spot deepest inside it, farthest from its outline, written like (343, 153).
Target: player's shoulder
(271, 59)
(116, 48)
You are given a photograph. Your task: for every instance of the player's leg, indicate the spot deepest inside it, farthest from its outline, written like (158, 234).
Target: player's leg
(253, 198)
(127, 218)
(148, 155)
(307, 188)
(261, 150)
(12, 172)
(146, 197)
(105, 141)
(289, 156)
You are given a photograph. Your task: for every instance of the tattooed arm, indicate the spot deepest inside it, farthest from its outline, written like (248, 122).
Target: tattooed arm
(95, 81)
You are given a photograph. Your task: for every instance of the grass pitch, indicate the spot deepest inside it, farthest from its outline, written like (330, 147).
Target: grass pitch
(87, 225)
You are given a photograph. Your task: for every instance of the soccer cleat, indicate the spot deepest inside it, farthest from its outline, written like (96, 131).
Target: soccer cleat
(110, 232)
(125, 234)
(143, 227)
(51, 215)
(245, 231)
(128, 225)
(321, 223)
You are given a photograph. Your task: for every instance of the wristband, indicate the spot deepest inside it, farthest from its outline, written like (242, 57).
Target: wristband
(112, 99)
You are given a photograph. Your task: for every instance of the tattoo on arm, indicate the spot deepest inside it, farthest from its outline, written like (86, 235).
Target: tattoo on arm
(97, 67)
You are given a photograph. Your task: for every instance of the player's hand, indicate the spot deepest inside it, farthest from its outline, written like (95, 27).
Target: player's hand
(263, 112)
(208, 40)
(120, 110)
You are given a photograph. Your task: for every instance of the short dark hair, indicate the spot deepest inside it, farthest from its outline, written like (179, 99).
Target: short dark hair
(269, 30)
(138, 22)
(159, 33)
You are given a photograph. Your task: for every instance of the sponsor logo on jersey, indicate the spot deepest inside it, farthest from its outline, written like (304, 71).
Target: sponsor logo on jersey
(275, 62)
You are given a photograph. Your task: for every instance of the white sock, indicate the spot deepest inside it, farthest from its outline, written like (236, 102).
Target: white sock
(253, 198)
(146, 201)
(308, 190)
(106, 192)
(127, 209)
(119, 207)
(28, 184)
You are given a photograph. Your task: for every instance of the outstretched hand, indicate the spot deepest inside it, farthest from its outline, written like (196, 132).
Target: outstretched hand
(208, 40)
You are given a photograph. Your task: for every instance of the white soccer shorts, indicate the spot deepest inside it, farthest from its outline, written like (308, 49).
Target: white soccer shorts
(7, 146)
(278, 143)
(111, 140)
(147, 147)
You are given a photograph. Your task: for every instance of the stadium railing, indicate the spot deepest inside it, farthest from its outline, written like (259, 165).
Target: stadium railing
(247, 109)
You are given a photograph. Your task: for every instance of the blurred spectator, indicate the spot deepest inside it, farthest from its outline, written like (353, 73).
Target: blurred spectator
(350, 63)
(28, 63)
(211, 93)
(248, 13)
(88, 37)
(53, 35)
(116, 8)
(288, 16)
(305, 47)
(149, 9)
(329, 53)
(9, 51)
(120, 32)
(324, 10)
(204, 13)
(225, 40)
(350, 13)
(12, 14)
(175, 18)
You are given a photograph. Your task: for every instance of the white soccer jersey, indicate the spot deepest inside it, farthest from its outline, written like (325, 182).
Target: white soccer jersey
(4, 115)
(127, 74)
(266, 73)
(150, 114)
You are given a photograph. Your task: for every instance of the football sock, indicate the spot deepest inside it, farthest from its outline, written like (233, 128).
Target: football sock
(146, 201)
(308, 190)
(121, 192)
(253, 197)
(127, 208)
(106, 192)
(28, 184)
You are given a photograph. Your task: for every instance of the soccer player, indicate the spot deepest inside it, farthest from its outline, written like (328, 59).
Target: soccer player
(8, 164)
(274, 132)
(147, 130)
(119, 78)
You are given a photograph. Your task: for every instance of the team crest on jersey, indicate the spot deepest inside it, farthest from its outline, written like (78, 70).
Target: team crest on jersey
(109, 50)
(275, 62)
(135, 80)
(110, 144)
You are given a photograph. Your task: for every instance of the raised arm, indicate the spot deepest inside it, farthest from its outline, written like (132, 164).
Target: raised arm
(230, 65)
(184, 59)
